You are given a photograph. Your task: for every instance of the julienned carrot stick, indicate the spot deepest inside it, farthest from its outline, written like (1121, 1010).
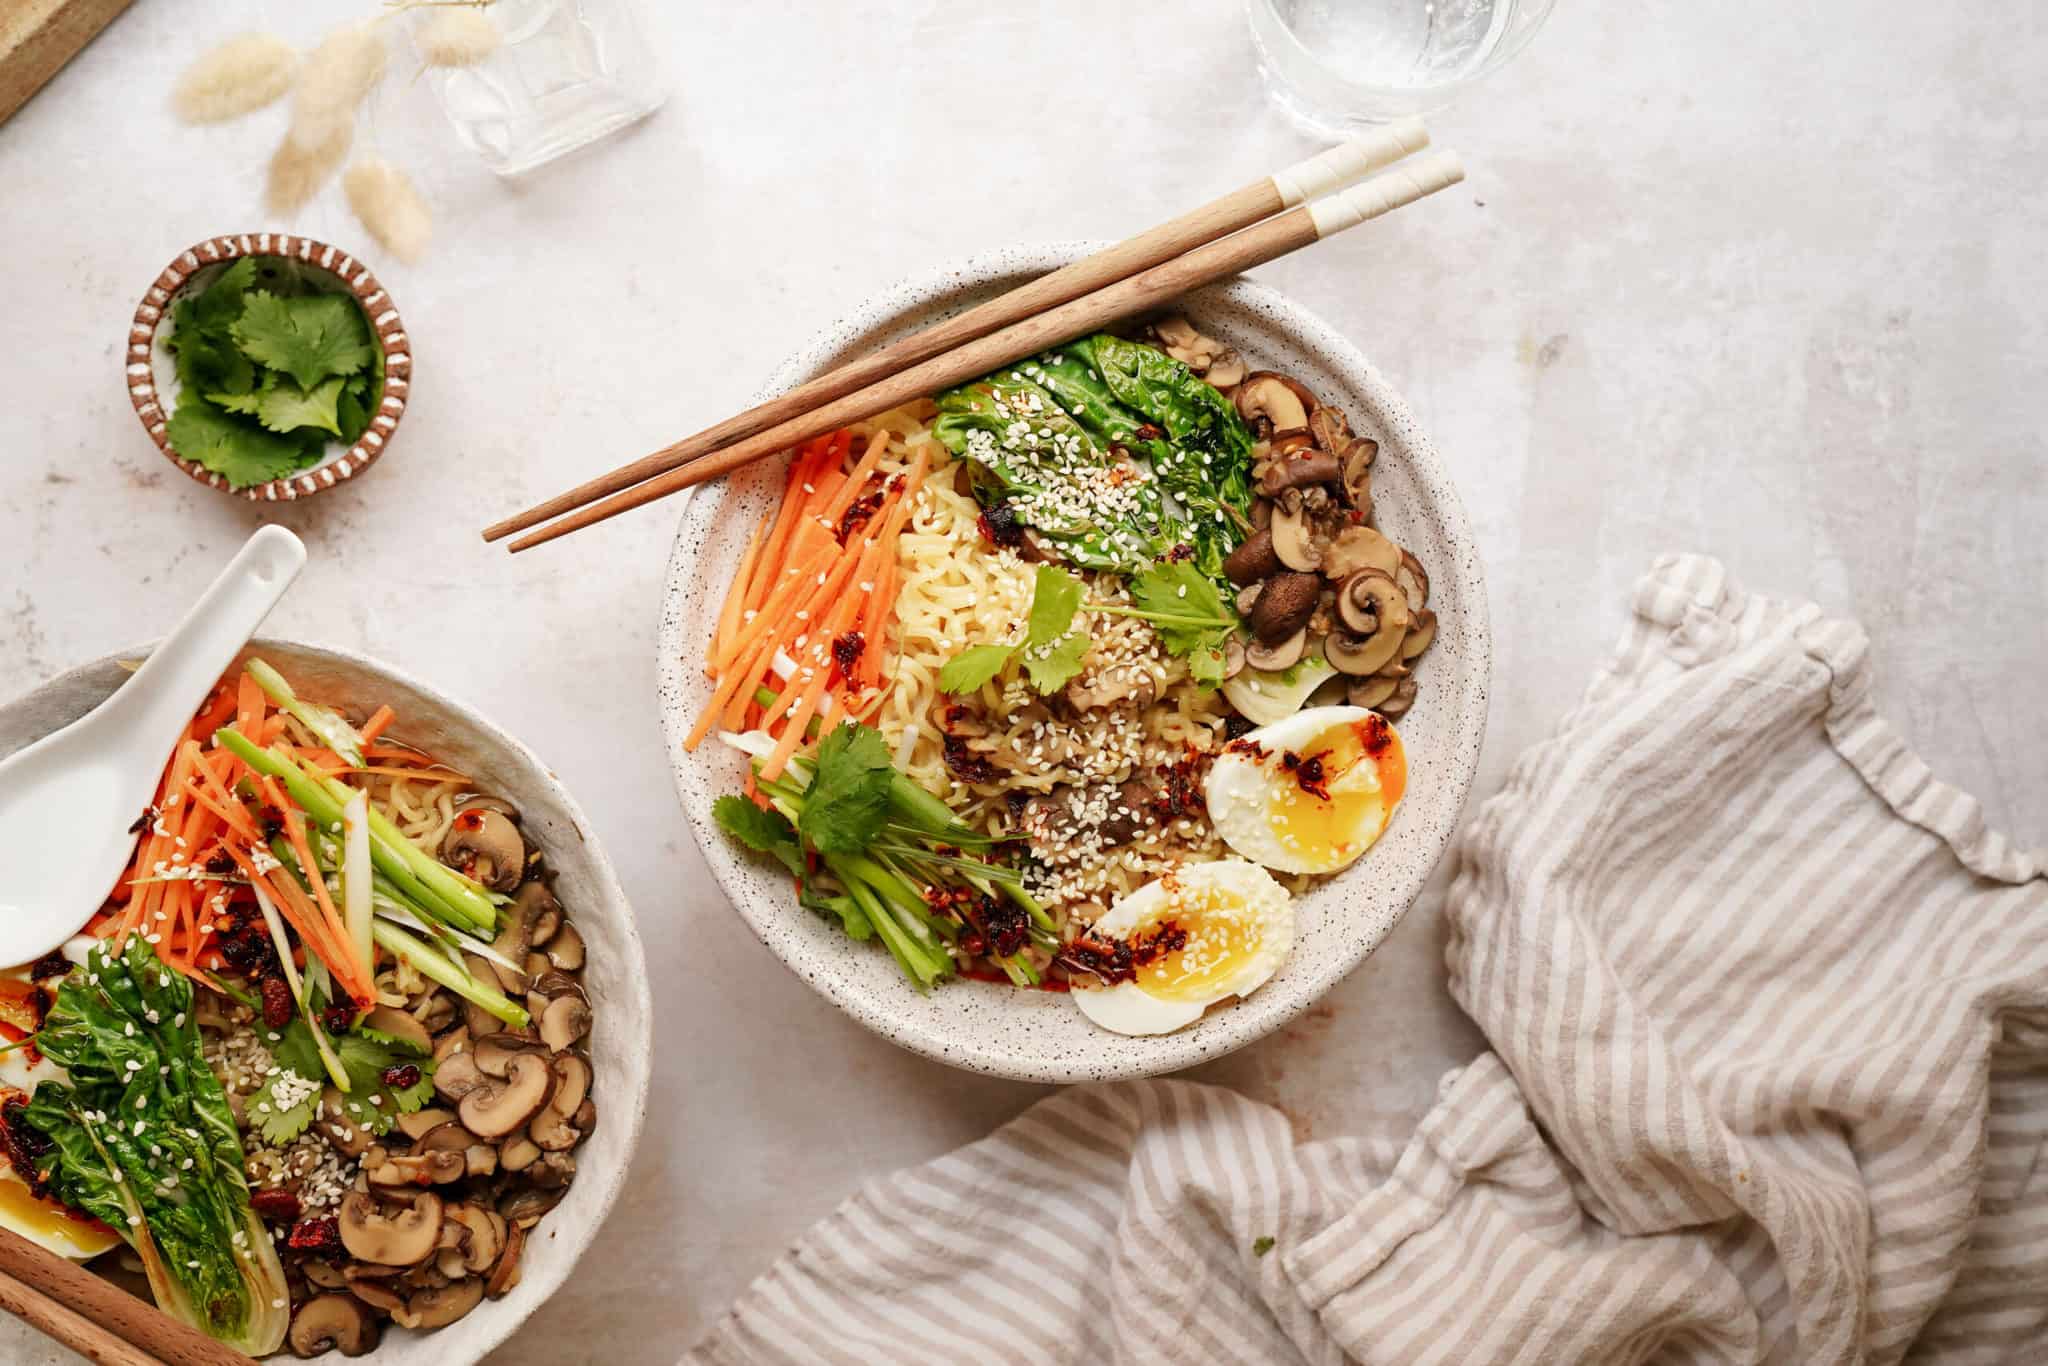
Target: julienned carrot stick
(785, 521)
(736, 596)
(851, 490)
(250, 705)
(779, 604)
(379, 722)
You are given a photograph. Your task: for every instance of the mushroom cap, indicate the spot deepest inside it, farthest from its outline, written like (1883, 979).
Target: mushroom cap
(484, 844)
(440, 1306)
(1421, 634)
(405, 1238)
(1375, 615)
(1284, 606)
(501, 1105)
(456, 1075)
(1358, 458)
(486, 1239)
(565, 948)
(332, 1322)
(1414, 581)
(1292, 472)
(1331, 430)
(1360, 547)
(1294, 538)
(1284, 655)
(566, 1019)
(1263, 394)
(1253, 560)
(505, 1275)
(1370, 692)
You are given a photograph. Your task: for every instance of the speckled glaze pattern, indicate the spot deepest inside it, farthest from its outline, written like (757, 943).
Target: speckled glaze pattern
(147, 372)
(1040, 1036)
(616, 979)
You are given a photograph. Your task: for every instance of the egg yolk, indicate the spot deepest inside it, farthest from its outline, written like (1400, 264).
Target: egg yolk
(21, 1210)
(1340, 789)
(1219, 935)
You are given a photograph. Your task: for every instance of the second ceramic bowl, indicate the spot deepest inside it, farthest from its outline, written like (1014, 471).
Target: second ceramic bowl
(1040, 1036)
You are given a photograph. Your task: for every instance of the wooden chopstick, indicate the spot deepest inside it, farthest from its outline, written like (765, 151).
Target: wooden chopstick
(97, 1318)
(1255, 246)
(1331, 170)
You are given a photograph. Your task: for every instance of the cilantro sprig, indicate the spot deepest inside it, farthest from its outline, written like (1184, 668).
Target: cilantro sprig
(889, 859)
(1187, 610)
(373, 1103)
(1053, 648)
(273, 362)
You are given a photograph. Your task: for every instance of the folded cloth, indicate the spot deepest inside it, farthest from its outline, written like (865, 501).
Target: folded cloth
(1768, 1008)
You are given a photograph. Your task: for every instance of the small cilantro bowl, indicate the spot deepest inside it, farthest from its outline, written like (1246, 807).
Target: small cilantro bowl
(250, 376)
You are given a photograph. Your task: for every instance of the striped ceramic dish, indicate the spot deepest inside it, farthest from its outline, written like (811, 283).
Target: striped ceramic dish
(151, 379)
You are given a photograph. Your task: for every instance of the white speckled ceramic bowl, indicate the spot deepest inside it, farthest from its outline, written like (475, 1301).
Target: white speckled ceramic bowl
(1040, 1036)
(152, 375)
(616, 977)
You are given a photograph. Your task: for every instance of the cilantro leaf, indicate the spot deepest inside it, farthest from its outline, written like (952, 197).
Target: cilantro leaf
(215, 308)
(1206, 666)
(766, 832)
(1054, 597)
(974, 666)
(296, 1059)
(236, 403)
(1183, 606)
(366, 1055)
(284, 407)
(352, 409)
(208, 362)
(245, 454)
(310, 338)
(848, 798)
(1053, 667)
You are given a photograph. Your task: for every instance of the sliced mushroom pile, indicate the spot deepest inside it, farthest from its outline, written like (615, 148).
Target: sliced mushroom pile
(1316, 577)
(442, 1204)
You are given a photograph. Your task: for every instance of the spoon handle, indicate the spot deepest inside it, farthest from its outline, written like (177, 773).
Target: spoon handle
(173, 681)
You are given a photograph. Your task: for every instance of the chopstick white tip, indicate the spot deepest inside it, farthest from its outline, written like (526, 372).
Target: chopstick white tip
(1350, 161)
(1404, 184)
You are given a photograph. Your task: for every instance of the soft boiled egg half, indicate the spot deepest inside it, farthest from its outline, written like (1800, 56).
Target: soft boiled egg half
(1197, 935)
(1311, 793)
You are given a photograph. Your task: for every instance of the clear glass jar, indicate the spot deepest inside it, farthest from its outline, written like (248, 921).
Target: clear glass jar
(567, 73)
(1335, 64)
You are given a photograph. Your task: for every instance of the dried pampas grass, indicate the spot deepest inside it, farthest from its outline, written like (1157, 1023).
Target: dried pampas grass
(387, 204)
(310, 153)
(452, 36)
(338, 74)
(240, 75)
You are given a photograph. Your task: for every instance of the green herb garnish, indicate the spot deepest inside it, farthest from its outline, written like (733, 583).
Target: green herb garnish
(1189, 613)
(274, 361)
(1053, 648)
(366, 1055)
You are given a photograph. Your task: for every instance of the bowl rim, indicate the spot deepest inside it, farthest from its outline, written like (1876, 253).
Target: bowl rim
(369, 292)
(927, 290)
(577, 1238)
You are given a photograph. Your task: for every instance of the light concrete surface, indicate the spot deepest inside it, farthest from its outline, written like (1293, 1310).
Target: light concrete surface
(1748, 278)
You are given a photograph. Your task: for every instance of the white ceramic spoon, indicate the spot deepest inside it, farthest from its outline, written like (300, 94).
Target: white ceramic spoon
(68, 800)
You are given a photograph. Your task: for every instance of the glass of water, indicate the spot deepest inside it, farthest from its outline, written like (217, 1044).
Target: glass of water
(1334, 64)
(566, 73)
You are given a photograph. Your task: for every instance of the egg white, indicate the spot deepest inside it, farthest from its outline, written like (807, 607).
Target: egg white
(1246, 781)
(1128, 1008)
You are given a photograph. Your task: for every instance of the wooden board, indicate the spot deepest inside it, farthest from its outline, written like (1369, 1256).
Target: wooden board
(38, 36)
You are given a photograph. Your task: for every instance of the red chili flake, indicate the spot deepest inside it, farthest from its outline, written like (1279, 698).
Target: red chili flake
(1117, 960)
(1308, 773)
(315, 1235)
(966, 764)
(21, 1142)
(51, 964)
(859, 513)
(999, 526)
(278, 1206)
(142, 821)
(340, 1016)
(220, 863)
(1250, 748)
(277, 1002)
(1183, 551)
(1149, 431)
(1375, 735)
(401, 1076)
(847, 650)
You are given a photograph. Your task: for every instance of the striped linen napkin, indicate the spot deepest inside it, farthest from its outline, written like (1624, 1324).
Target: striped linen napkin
(1768, 1008)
